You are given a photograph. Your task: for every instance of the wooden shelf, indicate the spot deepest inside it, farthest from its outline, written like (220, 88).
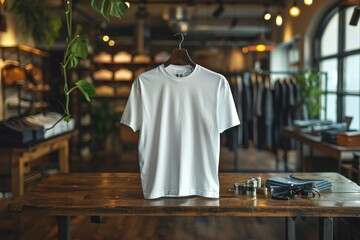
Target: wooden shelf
(36, 88)
(26, 49)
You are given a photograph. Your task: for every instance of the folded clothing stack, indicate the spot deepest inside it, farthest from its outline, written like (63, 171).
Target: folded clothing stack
(292, 181)
(25, 130)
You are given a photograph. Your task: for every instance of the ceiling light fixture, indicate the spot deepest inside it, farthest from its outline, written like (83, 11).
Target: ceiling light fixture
(260, 45)
(219, 10)
(308, 2)
(355, 16)
(267, 14)
(294, 11)
(279, 19)
(245, 50)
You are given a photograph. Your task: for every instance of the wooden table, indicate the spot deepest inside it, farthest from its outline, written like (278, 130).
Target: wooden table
(314, 142)
(116, 194)
(16, 161)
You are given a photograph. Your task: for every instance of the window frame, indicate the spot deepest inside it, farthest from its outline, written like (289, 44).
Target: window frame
(340, 56)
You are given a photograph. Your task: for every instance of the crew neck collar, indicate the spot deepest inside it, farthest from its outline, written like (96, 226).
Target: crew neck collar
(167, 73)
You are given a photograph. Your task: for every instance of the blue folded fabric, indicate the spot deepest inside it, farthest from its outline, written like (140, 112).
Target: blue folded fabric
(292, 181)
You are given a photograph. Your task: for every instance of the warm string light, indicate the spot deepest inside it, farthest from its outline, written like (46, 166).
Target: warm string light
(106, 38)
(267, 14)
(111, 43)
(308, 2)
(294, 11)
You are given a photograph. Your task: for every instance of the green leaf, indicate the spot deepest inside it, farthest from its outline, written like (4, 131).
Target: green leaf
(73, 61)
(118, 9)
(87, 89)
(105, 9)
(79, 46)
(96, 5)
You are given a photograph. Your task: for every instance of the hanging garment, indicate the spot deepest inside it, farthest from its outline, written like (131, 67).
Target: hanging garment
(232, 134)
(180, 112)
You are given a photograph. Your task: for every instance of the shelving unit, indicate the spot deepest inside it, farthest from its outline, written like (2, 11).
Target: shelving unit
(120, 88)
(36, 94)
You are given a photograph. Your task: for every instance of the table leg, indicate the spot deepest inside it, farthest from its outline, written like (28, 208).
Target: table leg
(63, 227)
(64, 157)
(326, 228)
(290, 228)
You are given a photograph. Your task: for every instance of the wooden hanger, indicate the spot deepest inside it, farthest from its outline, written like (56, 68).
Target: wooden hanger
(180, 56)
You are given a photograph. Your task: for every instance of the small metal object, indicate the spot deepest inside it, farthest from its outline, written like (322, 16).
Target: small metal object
(258, 179)
(262, 190)
(251, 185)
(236, 188)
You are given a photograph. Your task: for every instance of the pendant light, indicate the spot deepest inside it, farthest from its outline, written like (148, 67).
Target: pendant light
(262, 44)
(267, 14)
(308, 2)
(294, 11)
(279, 19)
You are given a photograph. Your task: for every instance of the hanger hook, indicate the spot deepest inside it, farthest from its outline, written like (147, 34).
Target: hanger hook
(182, 38)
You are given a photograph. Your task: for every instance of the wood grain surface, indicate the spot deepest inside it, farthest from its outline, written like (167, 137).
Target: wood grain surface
(112, 194)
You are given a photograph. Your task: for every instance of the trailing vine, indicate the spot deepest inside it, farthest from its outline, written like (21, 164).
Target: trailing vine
(77, 47)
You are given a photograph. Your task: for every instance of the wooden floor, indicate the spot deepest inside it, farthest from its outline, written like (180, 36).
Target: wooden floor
(171, 227)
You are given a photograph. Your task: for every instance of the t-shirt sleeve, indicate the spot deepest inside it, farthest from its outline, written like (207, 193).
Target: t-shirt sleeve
(132, 115)
(226, 110)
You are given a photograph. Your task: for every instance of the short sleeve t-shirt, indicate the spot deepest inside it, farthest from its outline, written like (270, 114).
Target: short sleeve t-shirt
(180, 112)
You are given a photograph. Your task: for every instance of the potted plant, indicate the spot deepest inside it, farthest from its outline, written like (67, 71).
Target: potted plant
(310, 92)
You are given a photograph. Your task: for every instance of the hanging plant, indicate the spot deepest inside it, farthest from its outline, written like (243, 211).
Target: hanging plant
(33, 20)
(77, 46)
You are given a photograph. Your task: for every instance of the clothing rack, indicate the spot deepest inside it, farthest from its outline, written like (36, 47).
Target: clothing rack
(264, 106)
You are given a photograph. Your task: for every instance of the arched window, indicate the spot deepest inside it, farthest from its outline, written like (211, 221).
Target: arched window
(337, 47)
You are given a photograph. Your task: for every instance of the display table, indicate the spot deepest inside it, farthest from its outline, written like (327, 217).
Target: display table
(16, 161)
(339, 153)
(119, 194)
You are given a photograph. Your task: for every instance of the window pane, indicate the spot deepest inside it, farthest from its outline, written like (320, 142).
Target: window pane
(329, 39)
(352, 110)
(328, 107)
(329, 67)
(352, 33)
(352, 73)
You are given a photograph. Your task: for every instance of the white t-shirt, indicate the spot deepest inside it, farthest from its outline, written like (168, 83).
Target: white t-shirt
(180, 112)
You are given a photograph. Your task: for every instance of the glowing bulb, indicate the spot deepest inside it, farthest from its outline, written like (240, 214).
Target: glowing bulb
(267, 16)
(245, 50)
(111, 43)
(105, 38)
(294, 11)
(260, 47)
(308, 2)
(279, 20)
(127, 4)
